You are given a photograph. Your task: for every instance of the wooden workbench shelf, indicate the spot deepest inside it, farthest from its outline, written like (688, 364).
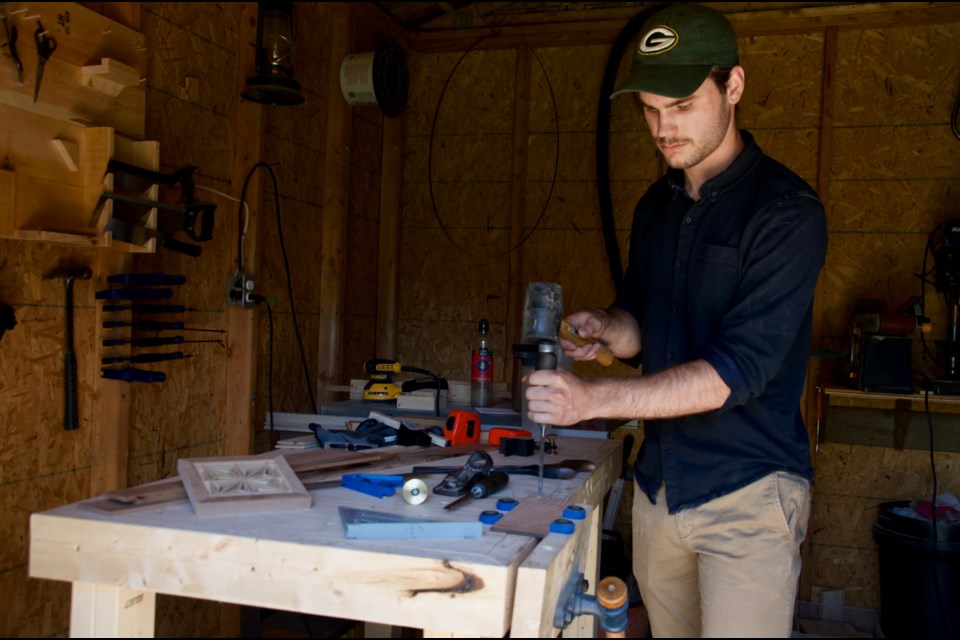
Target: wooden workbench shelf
(58, 138)
(896, 420)
(61, 204)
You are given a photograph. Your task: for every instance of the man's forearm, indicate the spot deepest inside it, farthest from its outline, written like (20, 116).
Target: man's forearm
(686, 389)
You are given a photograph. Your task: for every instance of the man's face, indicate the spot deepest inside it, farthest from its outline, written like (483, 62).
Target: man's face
(688, 130)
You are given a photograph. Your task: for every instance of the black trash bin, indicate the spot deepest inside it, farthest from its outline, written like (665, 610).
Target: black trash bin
(919, 585)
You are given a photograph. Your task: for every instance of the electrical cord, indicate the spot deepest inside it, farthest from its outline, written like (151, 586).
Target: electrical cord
(955, 116)
(607, 221)
(556, 163)
(260, 299)
(286, 265)
(924, 276)
(246, 210)
(436, 383)
(933, 517)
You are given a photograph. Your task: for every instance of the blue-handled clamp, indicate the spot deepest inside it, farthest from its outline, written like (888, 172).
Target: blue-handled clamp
(374, 484)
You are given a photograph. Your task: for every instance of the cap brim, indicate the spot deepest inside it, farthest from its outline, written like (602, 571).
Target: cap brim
(672, 81)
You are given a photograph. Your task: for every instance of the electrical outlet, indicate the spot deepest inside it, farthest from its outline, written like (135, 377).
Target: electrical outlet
(240, 289)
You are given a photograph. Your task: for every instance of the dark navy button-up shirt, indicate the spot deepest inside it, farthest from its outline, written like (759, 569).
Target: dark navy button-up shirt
(728, 279)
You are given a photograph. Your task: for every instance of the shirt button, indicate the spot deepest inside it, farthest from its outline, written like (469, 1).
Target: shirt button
(688, 220)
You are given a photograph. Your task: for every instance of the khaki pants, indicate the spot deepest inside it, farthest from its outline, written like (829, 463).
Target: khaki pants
(728, 568)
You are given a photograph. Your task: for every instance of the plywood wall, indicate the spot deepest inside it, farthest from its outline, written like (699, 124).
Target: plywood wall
(893, 178)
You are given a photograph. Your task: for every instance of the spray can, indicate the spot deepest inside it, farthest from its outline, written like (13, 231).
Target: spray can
(481, 371)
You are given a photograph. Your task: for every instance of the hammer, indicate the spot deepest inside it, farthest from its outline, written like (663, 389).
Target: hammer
(542, 313)
(69, 273)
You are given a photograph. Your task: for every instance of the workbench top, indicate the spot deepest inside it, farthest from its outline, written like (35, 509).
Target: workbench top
(300, 560)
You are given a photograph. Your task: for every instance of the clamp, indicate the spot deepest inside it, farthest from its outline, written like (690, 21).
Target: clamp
(374, 484)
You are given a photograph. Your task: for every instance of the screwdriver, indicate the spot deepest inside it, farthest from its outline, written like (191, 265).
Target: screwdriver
(151, 342)
(133, 294)
(153, 325)
(131, 374)
(488, 485)
(146, 357)
(148, 308)
(146, 278)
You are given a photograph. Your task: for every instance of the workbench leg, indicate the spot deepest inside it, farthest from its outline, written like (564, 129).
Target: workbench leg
(586, 626)
(103, 611)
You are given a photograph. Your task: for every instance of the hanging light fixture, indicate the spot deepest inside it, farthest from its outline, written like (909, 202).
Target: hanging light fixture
(273, 82)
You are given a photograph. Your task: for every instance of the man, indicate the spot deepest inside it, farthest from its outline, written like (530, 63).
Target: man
(725, 253)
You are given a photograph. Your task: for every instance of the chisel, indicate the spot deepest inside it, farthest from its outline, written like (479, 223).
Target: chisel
(153, 325)
(131, 374)
(151, 342)
(133, 294)
(146, 278)
(146, 357)
(148, 308)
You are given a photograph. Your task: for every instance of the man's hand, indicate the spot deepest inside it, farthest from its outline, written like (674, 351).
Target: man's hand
(551, 395)
(614, 328)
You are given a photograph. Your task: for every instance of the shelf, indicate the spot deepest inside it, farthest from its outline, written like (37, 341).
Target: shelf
(919, 396)
(894, 420)
(90, 109)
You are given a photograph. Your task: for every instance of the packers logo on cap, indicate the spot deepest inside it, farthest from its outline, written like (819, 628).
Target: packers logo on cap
(657, 40)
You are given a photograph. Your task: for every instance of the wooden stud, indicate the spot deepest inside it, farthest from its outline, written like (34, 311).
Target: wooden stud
(241, 337)
(518, 198)
(388, 254)
(336, 194)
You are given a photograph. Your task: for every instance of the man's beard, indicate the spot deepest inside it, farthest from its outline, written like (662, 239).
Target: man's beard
(697, 153)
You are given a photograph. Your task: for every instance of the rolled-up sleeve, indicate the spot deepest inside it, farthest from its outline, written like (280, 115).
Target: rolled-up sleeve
(780, 260)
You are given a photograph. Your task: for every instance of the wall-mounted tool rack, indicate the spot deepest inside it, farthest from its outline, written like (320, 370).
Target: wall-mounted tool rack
(89, 108)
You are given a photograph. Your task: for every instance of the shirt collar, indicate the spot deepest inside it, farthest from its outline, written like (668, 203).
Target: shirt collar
(737, 169)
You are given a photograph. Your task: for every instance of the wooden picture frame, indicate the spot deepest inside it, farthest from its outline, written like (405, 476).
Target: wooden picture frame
(242, 484)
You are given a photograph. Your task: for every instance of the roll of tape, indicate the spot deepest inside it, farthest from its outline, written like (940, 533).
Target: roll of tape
(414, 491)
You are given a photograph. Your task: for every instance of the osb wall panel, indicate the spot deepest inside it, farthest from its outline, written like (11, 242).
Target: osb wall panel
(896, 76)
(451, 253)
(852, 481)
(41, 465)
(299, 222)
(775, 98)
(891, 170)
(893, 163)
(191, 102)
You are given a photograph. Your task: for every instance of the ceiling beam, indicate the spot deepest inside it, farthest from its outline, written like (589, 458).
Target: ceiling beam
(872, 15)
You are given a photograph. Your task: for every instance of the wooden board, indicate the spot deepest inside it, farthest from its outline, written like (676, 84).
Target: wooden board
(532, 517)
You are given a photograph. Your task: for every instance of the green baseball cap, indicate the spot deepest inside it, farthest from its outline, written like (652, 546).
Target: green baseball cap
(677, 48)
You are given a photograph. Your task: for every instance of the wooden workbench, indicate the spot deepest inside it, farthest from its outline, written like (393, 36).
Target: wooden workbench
(301, 561)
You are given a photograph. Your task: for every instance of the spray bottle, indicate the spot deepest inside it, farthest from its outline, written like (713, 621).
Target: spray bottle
(481, 371)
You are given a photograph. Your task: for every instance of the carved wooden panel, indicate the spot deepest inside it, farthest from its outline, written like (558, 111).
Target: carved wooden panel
(242, 484)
